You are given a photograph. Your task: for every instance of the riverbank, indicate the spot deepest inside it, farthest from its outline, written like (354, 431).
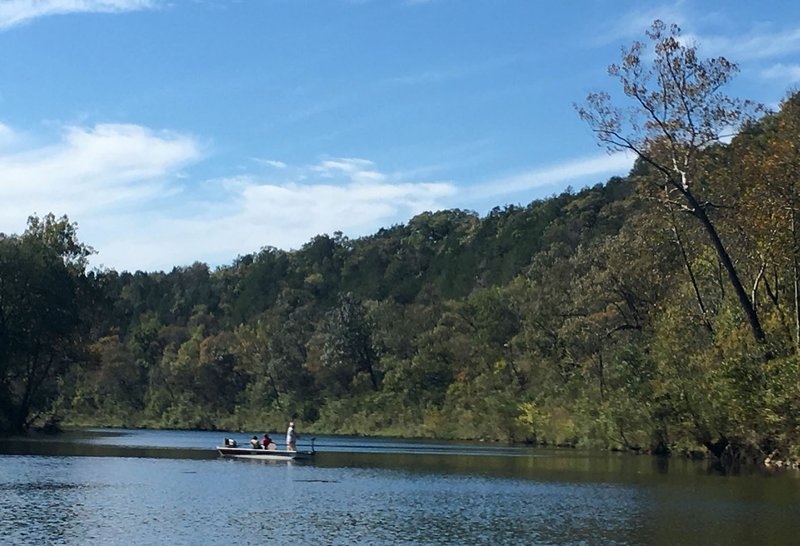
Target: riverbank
(732, 459)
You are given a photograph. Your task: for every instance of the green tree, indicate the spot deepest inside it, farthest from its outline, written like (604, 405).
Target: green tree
(767, 155)
(119, 382)
(39, 317)
(347, 348)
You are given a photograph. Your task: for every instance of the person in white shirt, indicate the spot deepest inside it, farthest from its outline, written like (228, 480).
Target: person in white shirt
(291, 438)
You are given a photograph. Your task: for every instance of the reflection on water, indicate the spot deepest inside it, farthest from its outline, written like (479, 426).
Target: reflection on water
(154, 488)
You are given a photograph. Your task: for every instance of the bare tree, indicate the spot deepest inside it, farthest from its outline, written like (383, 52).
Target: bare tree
(676, 110)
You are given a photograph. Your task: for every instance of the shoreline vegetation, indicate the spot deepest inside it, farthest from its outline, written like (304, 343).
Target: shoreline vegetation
(736, 459)
(654, 313)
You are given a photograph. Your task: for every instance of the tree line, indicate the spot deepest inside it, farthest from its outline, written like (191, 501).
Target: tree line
(656, 312)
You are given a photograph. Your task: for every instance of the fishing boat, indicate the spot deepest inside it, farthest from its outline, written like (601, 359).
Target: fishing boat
(265, 454)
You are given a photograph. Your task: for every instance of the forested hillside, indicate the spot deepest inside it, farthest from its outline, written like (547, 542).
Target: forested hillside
(645, 313)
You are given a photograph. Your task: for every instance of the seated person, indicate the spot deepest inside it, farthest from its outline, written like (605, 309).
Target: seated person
(254, 442)
(266, 441)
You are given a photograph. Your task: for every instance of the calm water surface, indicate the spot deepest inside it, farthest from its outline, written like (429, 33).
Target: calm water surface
(166, 487)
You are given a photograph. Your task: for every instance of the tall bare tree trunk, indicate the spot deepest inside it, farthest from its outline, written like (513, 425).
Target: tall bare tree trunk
(727, 263)
(796, 281)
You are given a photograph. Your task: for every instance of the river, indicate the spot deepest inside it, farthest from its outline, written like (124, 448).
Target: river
(170, 487)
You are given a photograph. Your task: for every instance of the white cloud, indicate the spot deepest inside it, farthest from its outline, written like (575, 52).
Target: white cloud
(634, 23)
(90, 171)
(16, 12)
(761, 43)
(270, 163)
(7, 136)
(126, 188)
(787, 74)
(252, 213)
(577, 170)
(758, 42)
(359, 170)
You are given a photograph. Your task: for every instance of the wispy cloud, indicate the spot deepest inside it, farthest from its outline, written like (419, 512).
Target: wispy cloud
(89, 171)
(126, 187)
(16, 12)
(454, 72)
(347, 194)
(7, 136)
(358, 170)
(572, 171)
(633, 24)
(760, 43)
(270, 163)
(787, 74)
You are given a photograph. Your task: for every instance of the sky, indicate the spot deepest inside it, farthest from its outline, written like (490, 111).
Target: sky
(176, 131)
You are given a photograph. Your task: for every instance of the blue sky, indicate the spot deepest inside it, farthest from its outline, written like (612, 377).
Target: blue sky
(175, 131)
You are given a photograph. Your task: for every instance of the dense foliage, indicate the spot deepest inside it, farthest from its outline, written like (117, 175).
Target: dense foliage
(655, 312)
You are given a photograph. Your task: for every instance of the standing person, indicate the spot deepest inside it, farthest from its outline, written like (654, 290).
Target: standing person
(291, 438)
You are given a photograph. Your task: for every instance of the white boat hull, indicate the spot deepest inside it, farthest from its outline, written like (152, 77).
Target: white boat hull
(264, 454)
